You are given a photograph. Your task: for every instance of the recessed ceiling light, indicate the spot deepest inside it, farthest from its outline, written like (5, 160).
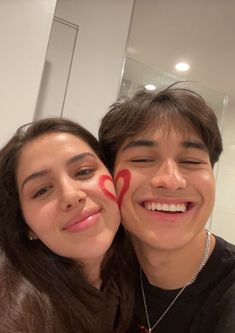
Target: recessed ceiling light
(150, 87)
(182, 66)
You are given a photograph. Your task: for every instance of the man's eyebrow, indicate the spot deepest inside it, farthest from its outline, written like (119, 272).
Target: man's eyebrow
(150, 143)
(44, 172)
(140, 143)
(195, 144)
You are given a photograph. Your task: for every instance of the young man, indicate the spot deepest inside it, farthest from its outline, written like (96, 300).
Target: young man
(162, 148)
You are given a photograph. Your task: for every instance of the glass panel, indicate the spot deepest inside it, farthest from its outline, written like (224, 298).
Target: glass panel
(57, 69)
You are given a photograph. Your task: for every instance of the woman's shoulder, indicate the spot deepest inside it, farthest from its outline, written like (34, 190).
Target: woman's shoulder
(22, 305)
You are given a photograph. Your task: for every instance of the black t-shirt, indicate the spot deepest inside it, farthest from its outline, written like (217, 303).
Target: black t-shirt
(206, 306)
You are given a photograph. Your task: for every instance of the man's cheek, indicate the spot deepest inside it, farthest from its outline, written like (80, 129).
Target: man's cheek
(107, 186)
(122, 184)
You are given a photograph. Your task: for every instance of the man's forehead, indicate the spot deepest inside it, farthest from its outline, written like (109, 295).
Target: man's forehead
(150, 137)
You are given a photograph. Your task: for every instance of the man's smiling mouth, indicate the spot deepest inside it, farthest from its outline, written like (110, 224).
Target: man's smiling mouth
(167, 207)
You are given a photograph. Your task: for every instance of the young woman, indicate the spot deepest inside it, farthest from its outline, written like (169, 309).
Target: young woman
(58, 218)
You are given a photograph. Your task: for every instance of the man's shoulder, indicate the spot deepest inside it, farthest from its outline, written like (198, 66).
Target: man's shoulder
(225, 248)
(220, 271)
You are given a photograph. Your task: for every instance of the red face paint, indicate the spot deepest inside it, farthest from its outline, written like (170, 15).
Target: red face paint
(126, 176)
(104, 179)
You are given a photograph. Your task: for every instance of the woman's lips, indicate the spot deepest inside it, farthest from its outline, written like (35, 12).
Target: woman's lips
(83, 221)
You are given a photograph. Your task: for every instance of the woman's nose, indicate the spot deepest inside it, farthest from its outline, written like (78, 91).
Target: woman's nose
(169, 176)
(71, 196)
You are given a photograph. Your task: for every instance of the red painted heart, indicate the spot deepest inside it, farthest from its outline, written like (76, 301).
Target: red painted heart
(102, 180)
(126, 176)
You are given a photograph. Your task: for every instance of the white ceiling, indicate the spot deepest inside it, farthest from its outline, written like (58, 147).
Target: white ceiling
(200, 32)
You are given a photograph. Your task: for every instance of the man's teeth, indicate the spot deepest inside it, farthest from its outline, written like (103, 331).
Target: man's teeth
(180, 207)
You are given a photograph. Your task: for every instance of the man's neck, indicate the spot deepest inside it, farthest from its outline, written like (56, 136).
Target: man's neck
(172, 269)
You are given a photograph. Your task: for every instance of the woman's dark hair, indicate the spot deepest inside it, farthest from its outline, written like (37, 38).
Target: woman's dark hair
(174, 107)
(41, 292)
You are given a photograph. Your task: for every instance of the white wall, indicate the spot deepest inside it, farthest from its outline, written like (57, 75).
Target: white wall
(99, 56)
(24, 33)
(223, 218)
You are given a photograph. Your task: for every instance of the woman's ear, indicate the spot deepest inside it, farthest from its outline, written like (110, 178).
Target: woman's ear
(32, 235)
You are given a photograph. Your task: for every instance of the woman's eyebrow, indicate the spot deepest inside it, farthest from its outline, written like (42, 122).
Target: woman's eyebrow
(35, 175)
(80, 157)
(44, 172)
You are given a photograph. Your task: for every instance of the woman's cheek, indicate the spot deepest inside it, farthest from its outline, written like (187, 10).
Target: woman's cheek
(106, 185)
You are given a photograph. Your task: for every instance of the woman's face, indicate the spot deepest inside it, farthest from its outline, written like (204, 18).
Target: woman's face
(67, 196)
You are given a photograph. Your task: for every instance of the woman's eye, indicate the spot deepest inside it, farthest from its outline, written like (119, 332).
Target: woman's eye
(41, 191)
(83, 173)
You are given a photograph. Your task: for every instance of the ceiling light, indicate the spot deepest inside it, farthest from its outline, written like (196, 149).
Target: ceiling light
(150, 87)
(182, 66)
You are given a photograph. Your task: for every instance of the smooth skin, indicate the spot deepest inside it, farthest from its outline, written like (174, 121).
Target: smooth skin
(59, 179)
(169, 200)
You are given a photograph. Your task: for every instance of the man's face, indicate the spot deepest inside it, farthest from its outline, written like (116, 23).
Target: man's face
(165, 186)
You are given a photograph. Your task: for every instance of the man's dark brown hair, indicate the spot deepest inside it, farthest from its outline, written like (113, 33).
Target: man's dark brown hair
(173, 108)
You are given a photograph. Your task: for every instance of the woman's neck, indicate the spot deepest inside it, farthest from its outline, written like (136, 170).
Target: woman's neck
(92, 271)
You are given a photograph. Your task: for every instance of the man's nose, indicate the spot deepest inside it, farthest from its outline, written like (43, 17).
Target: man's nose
(169, 176)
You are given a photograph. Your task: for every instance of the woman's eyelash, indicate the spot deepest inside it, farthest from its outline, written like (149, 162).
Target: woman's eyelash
(41, 191)
(84, 172)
